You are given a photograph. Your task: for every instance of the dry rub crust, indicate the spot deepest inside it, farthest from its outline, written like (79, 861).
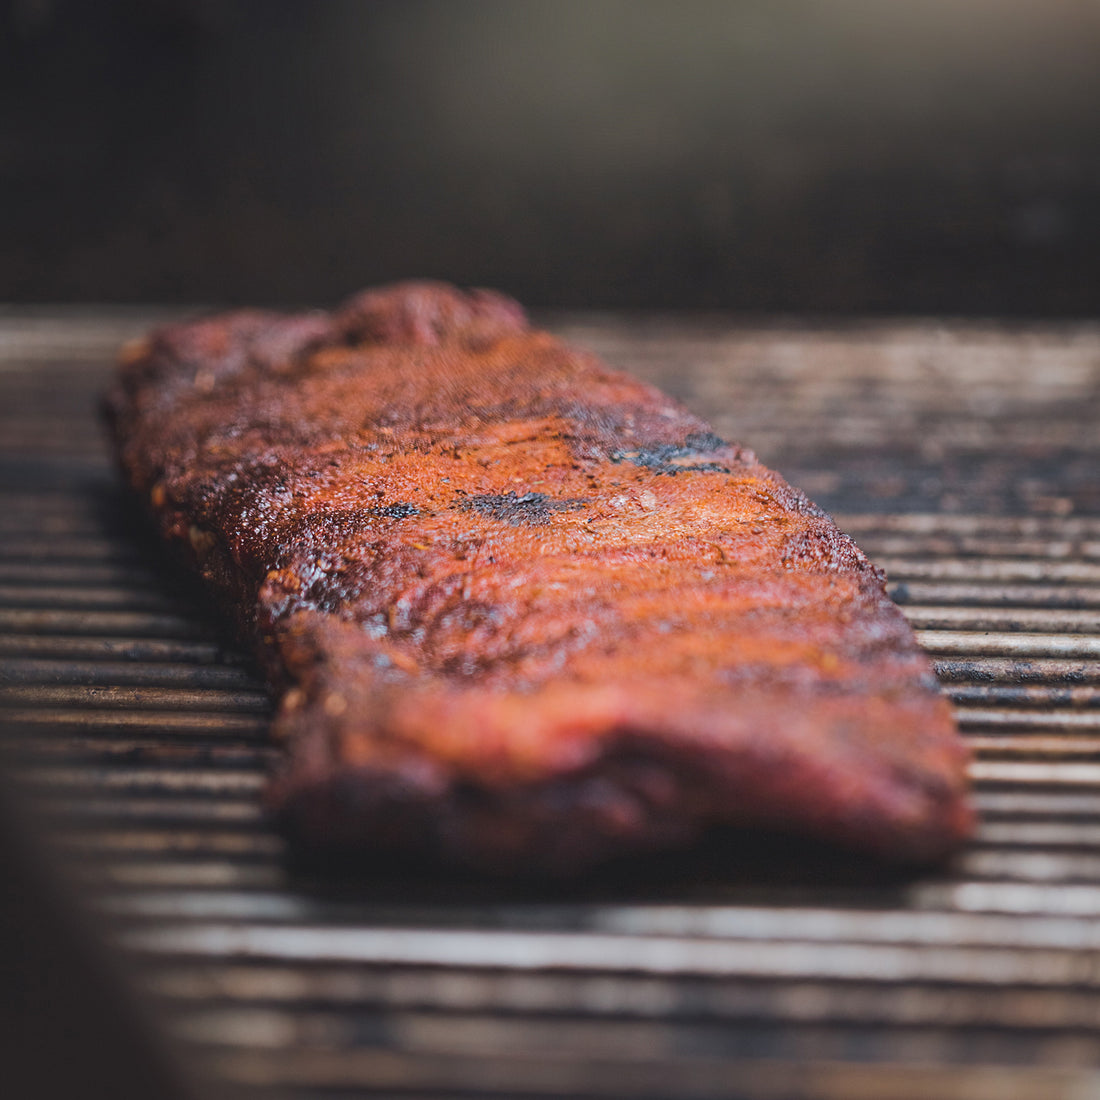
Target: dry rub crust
(524, 611)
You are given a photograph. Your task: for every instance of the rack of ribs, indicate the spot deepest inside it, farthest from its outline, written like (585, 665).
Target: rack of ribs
(522, 611)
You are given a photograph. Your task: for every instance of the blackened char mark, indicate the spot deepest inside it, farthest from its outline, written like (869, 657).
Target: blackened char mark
(530, 508)
(669, 458)
(399, 510)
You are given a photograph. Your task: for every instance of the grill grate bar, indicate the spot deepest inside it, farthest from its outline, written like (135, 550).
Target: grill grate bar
(990, 570)
(118, 623)
(940, 524)
(358, 1071)
(193, 874)
(268, 986)
(143, 778)
(1020, 804)
(140, 650)
(603, 953)
(1035, 773)
(105, 597)
(1009, 865)
(168, 723)
(415, 1032)
(984, 547)
(187, 813)
(1051, 833)
(140, 750)
(106, 550)
(1026, 721)
(80, 577)
(1035, 747)
(991, 620)
(1024, 695)
(950, 642)
(167, 843)
(984, 670)
(222, 700)
(219, 700)
(65, 527)
(994, 595)
(917, 926)
(135, 673)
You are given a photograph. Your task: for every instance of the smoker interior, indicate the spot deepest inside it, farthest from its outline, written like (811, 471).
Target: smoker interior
(964, 459)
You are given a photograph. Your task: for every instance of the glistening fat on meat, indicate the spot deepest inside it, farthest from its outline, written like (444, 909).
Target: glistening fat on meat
(521, 610)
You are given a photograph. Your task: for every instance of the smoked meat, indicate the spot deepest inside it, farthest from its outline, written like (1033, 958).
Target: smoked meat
(522, 611)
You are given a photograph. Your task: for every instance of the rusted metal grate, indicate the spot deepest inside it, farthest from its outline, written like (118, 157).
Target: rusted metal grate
(966, 460)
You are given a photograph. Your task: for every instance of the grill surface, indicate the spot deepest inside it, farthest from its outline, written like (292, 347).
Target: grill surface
(963, 459)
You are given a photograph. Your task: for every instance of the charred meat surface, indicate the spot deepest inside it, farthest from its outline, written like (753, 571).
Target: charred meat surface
(524, 611)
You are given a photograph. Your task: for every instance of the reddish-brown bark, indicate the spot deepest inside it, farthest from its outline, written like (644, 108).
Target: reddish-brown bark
(522, 610)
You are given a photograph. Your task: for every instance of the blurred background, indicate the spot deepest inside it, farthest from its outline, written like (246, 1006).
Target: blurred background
(806, 156)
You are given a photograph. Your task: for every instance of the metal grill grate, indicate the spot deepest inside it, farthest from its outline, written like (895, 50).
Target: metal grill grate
(965, 460)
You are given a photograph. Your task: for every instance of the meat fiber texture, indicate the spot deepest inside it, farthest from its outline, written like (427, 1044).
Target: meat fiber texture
(522, 611)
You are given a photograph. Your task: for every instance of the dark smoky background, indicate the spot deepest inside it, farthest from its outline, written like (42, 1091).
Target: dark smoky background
(805, 156)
